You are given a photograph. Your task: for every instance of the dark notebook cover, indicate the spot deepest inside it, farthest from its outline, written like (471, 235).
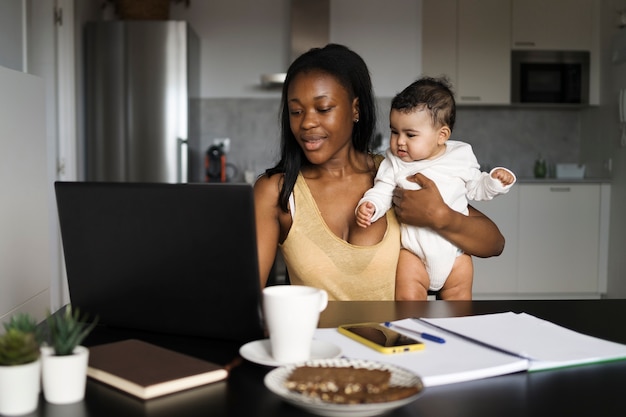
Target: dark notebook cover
(147, 371)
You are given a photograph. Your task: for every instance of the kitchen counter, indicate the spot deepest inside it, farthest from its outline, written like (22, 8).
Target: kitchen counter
(531, 180)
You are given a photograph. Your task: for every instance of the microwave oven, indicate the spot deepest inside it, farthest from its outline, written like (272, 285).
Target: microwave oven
(550, 77)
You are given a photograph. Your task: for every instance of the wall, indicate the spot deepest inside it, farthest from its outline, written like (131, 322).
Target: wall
(500, 136)
(29, 279)
(11, 34)
(250, 124)
(246, 38)
(514, 138)
(240, 40)
(386, 34)
(36, 42)
(607, 123)
(25, 264)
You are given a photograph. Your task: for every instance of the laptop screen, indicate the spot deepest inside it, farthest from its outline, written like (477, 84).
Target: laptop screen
(171, 258)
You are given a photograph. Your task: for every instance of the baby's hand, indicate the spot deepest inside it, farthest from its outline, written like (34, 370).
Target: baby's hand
(503, 175)
(364, 214)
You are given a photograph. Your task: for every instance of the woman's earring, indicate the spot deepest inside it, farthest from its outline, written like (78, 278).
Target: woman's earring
(356, 120)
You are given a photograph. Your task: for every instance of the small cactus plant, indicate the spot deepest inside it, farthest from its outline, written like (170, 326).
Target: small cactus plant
(22, 322)
(67, 330)
(20, 343)
(18, 347)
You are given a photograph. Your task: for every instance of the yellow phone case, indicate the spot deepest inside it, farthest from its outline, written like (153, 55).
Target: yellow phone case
(381, 338)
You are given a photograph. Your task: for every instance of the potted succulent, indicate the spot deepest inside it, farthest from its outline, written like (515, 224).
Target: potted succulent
(20, 366)
(64, 360)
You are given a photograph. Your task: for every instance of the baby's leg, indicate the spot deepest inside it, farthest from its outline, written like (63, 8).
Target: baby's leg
(411, 277)
(458, 286)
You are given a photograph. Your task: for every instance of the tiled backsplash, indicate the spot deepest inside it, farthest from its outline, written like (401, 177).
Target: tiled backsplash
(514, 138)
(251, 124)
(510, 137)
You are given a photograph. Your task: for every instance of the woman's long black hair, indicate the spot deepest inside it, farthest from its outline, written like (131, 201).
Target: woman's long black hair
(352, 73)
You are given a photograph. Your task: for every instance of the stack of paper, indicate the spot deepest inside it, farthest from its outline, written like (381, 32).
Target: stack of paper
(484, 346)
(544, 343)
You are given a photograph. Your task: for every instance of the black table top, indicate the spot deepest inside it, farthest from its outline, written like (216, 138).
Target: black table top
(590, 390)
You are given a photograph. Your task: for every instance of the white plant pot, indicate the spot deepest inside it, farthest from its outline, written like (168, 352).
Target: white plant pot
(64, 377)
(19, 388)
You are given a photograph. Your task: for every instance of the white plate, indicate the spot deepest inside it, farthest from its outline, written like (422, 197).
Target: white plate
(275, 382)
(260, 351)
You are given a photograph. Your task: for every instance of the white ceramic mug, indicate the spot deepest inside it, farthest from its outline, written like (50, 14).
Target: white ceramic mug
(291, 315)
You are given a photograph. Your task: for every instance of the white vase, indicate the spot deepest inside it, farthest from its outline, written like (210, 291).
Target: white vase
(64, 377)
(19, 388)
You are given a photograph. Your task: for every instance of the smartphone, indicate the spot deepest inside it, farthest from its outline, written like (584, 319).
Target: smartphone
(380, 338)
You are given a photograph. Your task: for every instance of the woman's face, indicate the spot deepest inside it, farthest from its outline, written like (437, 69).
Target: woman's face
(321, 115)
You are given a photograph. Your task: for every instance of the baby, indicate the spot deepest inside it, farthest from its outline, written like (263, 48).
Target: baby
(422, 117)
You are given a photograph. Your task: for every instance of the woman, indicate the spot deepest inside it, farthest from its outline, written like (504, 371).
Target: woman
(305, 205)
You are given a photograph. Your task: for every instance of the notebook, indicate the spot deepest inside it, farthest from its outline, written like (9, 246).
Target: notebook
(148, 371)
(483, 346)
(172, 258)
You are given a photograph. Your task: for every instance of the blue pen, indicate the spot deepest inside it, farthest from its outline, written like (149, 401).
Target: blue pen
(425, 336)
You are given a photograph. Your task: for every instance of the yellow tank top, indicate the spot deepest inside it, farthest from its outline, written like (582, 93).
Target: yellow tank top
(315, 256)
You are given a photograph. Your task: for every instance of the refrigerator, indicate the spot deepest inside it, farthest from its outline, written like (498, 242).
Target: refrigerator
(139, 78)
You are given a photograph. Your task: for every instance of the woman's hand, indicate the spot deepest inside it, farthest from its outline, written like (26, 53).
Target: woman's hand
(423, 207)
(474, 234)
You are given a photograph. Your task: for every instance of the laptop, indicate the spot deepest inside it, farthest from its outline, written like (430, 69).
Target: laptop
(170, 258)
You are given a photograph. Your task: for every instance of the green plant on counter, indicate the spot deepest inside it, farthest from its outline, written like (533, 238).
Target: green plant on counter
(18, 347)
(20, 343)
(24, 323)
(67, 330)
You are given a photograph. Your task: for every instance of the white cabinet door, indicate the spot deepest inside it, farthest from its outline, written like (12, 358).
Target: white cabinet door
(552, 24)
(498, 275)
(439, 39)
(469, 41)
(484, 52)
(559, 237)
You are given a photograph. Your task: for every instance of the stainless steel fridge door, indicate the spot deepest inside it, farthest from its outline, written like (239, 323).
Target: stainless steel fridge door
(136, 101)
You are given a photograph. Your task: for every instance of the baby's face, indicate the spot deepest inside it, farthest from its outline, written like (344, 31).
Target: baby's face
(414, 136)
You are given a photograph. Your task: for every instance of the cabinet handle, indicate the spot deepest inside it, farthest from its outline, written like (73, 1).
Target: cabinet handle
(524, 43)
(183, 152)
(470, 98)
(560, 189)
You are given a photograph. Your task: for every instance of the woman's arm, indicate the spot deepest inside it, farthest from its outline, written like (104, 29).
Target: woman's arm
(266, 208)
(475, 234)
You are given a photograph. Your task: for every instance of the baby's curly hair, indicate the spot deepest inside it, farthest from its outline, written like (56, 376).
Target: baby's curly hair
(434, 94)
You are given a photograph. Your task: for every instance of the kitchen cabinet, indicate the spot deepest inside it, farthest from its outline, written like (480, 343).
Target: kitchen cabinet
(560, 25)
(484, 65)
(552, 25)
(439, 38)
(498, 275)
(469, 41)
(559, 238)
(556, 240)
